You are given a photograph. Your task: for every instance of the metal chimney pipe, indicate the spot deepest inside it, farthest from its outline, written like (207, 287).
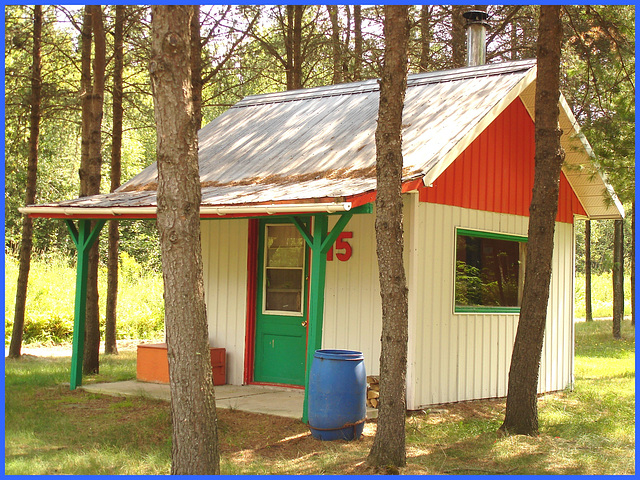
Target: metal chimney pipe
(476, 37)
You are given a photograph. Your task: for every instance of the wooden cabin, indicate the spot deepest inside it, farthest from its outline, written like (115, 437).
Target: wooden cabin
(287, 175)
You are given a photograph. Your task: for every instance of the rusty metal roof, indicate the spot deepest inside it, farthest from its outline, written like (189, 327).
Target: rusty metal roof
(318, 145)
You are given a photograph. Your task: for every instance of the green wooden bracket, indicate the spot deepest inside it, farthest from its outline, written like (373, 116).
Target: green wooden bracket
(302, 228)
(73, 231)
(83, 236)
(335, 231)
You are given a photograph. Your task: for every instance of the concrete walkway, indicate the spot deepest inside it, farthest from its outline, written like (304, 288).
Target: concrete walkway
(284, 402)
(280, 401)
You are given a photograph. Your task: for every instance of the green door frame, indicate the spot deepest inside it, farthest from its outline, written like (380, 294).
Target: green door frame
(319, 243)
(83, 237)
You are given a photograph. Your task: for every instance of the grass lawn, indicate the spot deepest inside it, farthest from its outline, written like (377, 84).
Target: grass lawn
(590, 430)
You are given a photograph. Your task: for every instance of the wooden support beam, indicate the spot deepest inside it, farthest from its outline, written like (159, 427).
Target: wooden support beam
(83, 237)
(319, 243)
(316, 301)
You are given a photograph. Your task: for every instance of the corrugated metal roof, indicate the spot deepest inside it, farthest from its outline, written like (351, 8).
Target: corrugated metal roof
(319, 143)
(329, 131)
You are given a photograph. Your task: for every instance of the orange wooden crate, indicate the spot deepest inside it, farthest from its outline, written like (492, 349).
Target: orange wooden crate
(152, 364)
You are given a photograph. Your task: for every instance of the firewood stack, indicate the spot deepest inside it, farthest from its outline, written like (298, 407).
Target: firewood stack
(373, 390)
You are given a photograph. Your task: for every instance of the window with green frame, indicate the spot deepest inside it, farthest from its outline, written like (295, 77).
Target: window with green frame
(489, 271)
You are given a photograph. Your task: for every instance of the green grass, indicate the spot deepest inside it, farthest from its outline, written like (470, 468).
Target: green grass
(588, 430)
(601, 296)
(51, 294)
(52, 430)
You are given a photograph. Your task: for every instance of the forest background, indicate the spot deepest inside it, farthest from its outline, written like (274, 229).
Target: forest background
(250, 50)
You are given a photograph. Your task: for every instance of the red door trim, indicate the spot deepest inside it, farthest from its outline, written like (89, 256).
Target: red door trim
(250, 330)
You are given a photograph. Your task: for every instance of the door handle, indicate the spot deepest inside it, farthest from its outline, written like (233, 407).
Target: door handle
(305, 323)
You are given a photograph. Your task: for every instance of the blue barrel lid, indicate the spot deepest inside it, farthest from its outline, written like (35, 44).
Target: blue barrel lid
(339, 354)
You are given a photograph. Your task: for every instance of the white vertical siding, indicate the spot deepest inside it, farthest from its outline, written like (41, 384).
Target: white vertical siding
(224, 258)
(467, 356)
(556, 371)
(452, 357)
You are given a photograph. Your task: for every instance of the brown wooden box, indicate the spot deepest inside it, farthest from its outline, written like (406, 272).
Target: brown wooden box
(152, 364)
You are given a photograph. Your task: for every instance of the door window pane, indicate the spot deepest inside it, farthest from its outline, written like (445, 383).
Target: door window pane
(284, 269)
(285, 246)
(284, 290)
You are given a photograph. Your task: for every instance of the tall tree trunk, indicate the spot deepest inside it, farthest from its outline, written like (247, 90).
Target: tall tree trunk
(26, 242)
(521, 415)
(357, 37)
(513, 39)
(458, 37)
(196, 66)
(335, 43)
(389, 443)
(345, 48)
(91, 361)
(618, 276)
(425, 37)
(85, 87)
(298, 11)
(288, 47)
(587, 271)
(193, 408)
(110, 329)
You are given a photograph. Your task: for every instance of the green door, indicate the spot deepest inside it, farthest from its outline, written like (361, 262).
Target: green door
(281, 316)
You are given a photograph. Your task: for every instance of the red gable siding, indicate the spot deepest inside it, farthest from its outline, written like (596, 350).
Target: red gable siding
(495, 173)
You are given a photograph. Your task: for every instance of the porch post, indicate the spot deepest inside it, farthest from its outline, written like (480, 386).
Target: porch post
(319, 243)
(316, 301)
(83, 237)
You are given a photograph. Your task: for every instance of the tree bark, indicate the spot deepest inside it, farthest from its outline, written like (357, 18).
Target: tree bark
(344, 48)
(587, 271)
(618, 276)
(521, 415)
(288, 46)
(193, 409)
(85, 87)
(357, 37)
(389, 443)
(335, 44)
(110, 329)
(458, 36)
(196, 66)
(92, 174)
(297, 46)
(425, 37)
(26, 243)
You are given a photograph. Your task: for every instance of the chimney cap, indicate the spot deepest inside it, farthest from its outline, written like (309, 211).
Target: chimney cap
(476, 16)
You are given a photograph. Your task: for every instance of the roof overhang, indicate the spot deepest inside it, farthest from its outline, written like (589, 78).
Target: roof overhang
(226, 211)
(592, 188)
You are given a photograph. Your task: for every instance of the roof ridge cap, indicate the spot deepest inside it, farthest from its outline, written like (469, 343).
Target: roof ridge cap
(372, 85)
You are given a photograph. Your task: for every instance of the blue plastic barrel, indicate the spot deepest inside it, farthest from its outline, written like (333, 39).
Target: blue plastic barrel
(337, 395)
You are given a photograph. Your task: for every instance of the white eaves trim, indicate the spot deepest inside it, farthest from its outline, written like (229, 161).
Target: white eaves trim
(221, 211)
